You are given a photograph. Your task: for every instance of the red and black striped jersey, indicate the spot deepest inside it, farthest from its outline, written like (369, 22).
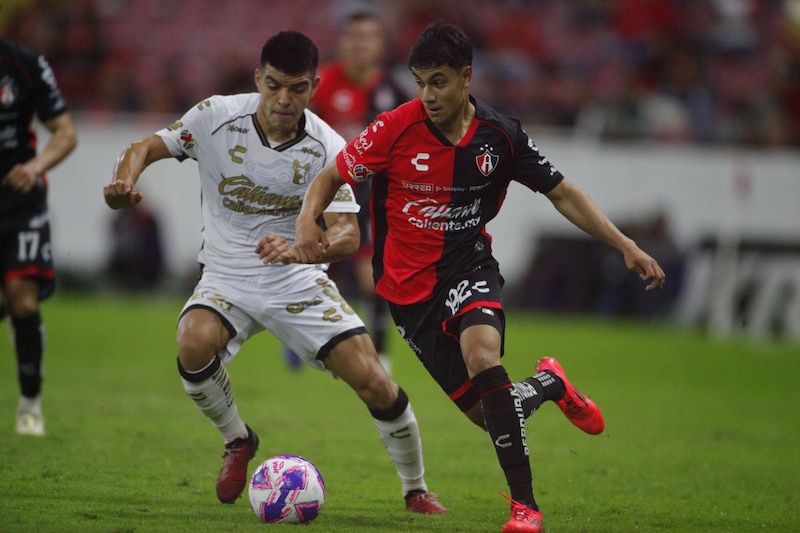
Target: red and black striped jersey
(27, 87)
(431, 200)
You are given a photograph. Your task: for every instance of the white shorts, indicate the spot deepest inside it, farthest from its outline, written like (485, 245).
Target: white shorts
(299, 304)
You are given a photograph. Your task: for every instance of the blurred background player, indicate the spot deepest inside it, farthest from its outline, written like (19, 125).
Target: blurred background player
(27, 87)
(353, 89)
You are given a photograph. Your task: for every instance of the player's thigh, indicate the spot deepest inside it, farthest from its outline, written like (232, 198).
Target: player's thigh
(313, 319)
(212, 322)
(26, 262)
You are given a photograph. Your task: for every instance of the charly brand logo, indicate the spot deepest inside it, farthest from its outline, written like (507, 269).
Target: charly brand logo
(418, 162)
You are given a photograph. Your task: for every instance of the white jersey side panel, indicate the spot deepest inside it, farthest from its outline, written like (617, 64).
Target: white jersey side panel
(250, 188)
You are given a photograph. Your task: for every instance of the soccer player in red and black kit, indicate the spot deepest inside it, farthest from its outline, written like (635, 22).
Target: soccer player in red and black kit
(440, 167)
(28, 87)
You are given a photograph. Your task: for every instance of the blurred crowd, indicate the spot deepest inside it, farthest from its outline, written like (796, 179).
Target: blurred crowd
(705, 71)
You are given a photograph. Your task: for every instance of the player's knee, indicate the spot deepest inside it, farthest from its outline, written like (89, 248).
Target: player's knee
(376, 387)
(22, 298)
(198, 343)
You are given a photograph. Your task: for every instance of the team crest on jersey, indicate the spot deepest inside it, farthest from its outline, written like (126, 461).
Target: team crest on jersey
(187, 139)
(487, 161)
(300, 172)
(8, 93)
(361, 173)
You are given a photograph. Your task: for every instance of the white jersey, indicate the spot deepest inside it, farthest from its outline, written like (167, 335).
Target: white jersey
(250, 188)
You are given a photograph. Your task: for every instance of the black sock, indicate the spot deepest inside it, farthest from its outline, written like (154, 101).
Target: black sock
(538, 389)
(554, 388)
(29, 344)
(505, 422)
(378, 330)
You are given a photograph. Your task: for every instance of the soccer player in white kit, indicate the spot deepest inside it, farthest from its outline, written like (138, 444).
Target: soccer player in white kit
(256, 154)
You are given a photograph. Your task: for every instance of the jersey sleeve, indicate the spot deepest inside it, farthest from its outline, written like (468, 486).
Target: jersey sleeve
(367, 154)
(181, 136)
(531, 168)
(344, 201)
(48, 99)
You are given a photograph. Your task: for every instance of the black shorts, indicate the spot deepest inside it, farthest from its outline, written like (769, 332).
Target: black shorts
(432, 328)
(26, 252)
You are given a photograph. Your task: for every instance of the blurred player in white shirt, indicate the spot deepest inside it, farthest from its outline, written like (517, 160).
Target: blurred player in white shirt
(256, 154)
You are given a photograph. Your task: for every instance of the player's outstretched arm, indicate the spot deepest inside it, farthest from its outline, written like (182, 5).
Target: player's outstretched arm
(121, 192)
(311, 243)
(578, 208)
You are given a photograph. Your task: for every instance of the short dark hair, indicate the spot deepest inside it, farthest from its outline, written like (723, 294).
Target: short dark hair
(290, 52)
(441, 44)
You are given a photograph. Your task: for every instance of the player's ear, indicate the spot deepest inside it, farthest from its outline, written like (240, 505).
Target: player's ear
(315, 84)
(467, 75)
(257, 76)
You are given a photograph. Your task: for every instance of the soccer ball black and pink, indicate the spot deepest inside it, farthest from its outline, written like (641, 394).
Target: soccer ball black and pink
(286, 489)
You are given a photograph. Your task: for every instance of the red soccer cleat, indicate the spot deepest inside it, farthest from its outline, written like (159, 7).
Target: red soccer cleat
(423, 502)
(523, 519)
(233, 475)
(580, 410)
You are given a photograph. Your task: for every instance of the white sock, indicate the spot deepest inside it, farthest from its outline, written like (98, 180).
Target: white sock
(401, 438)
(214, 398)
(30, 405)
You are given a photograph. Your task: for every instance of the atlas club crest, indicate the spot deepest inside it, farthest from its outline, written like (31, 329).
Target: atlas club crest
(487, 162)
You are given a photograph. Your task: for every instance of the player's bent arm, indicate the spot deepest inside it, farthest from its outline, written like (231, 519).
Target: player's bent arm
(580, 209)
(343, 235)
(120, 193)
(310, 240)
(138, 156)
(343, 241)
(63, 140)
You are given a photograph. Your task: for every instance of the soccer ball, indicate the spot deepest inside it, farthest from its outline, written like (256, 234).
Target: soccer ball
(288, 489)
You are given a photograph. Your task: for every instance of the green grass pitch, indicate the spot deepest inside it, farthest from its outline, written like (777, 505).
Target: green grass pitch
(701, 435)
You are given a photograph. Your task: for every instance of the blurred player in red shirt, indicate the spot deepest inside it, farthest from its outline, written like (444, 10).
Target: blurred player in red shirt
(352, 91)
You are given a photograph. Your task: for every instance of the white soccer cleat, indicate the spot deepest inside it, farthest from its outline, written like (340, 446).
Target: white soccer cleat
(30, 424)
(30, 420)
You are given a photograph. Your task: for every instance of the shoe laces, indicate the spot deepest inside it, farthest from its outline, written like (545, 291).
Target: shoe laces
(520, 511)
(420, 495)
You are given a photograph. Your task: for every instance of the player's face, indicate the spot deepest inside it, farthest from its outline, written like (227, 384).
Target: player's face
(444, 92)
(362, 43)
(283, 100)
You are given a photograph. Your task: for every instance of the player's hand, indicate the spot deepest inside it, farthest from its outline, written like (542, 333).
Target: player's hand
(121, 195)
(20, 178)
(310, 243)
(273, 249)
(647, 268)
